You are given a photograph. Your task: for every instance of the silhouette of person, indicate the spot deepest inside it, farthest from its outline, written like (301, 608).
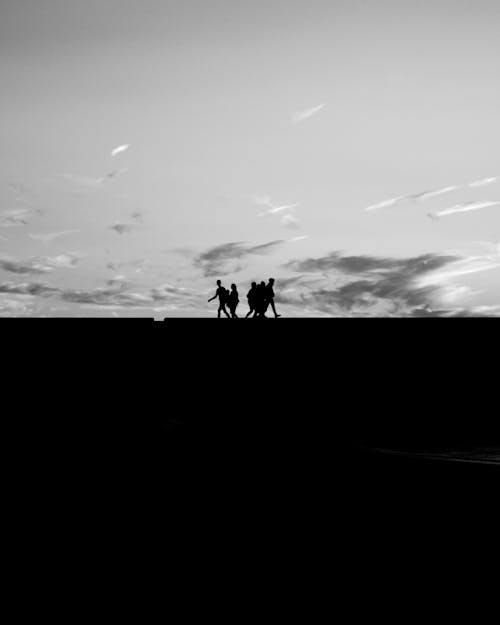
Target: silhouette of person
(260, 300)
(232, 301)
(251, 297)
(270, 296)
(221, 293)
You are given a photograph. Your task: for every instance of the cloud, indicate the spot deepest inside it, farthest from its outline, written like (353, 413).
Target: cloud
(490, 310)
(427, 195)
(347, 264)
(106, 297)
(122, 228)
(483, 182)
(265, 248)
(17, 306)
(300, 116)
(346, 297)
(391, 202)
(63, 261)
(27, 288)
(115, 294)
(265, 200)
(168, 292)
(39, 265)
(50, 236)
(30, 266)
(213, 260)
(117, 282)
(467, 206)
(381, 285)
(16, 217)
(120, 149)
(460, 267)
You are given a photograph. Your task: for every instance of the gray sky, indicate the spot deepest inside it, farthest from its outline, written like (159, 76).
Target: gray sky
(205, 93)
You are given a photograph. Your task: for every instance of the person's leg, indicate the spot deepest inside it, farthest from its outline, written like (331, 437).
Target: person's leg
(218, 312)
(225, 312)
(274, 309)
(250, 312)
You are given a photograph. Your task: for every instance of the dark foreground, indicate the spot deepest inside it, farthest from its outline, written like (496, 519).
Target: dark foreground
(322, 461)
(296, 406)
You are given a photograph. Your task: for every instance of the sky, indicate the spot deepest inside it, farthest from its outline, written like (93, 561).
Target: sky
(230, 110)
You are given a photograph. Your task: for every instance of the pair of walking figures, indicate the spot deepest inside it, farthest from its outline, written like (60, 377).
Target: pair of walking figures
(260, 297)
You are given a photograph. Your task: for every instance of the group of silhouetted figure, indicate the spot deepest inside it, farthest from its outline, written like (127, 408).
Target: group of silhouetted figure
(260, 297)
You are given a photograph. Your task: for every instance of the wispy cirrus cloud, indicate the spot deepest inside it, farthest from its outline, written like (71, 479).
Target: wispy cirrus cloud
(484, 182)
(48, 237)
(420, 196)
(465, 207)
(119, 149)
(460, 267)
(301, 116)
(433, 193)
(272, 209)
(427, 195)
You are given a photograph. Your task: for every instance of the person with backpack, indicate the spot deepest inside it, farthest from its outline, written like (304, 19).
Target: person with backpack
(251, 297)
(221, 293)
(260, 300)
(232, 301)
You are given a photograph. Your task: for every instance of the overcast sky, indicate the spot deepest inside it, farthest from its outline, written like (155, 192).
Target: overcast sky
(230, 109)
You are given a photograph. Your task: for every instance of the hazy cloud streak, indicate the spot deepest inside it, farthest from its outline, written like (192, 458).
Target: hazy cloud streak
(50, 236)
(463, 208)
(483, 182)
(300, 116)
(120, 149)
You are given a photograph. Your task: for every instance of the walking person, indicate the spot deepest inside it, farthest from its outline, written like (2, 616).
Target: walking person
(251, 297)
(232, 301)
(270, 297)
(260, 300)
(221, 293)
